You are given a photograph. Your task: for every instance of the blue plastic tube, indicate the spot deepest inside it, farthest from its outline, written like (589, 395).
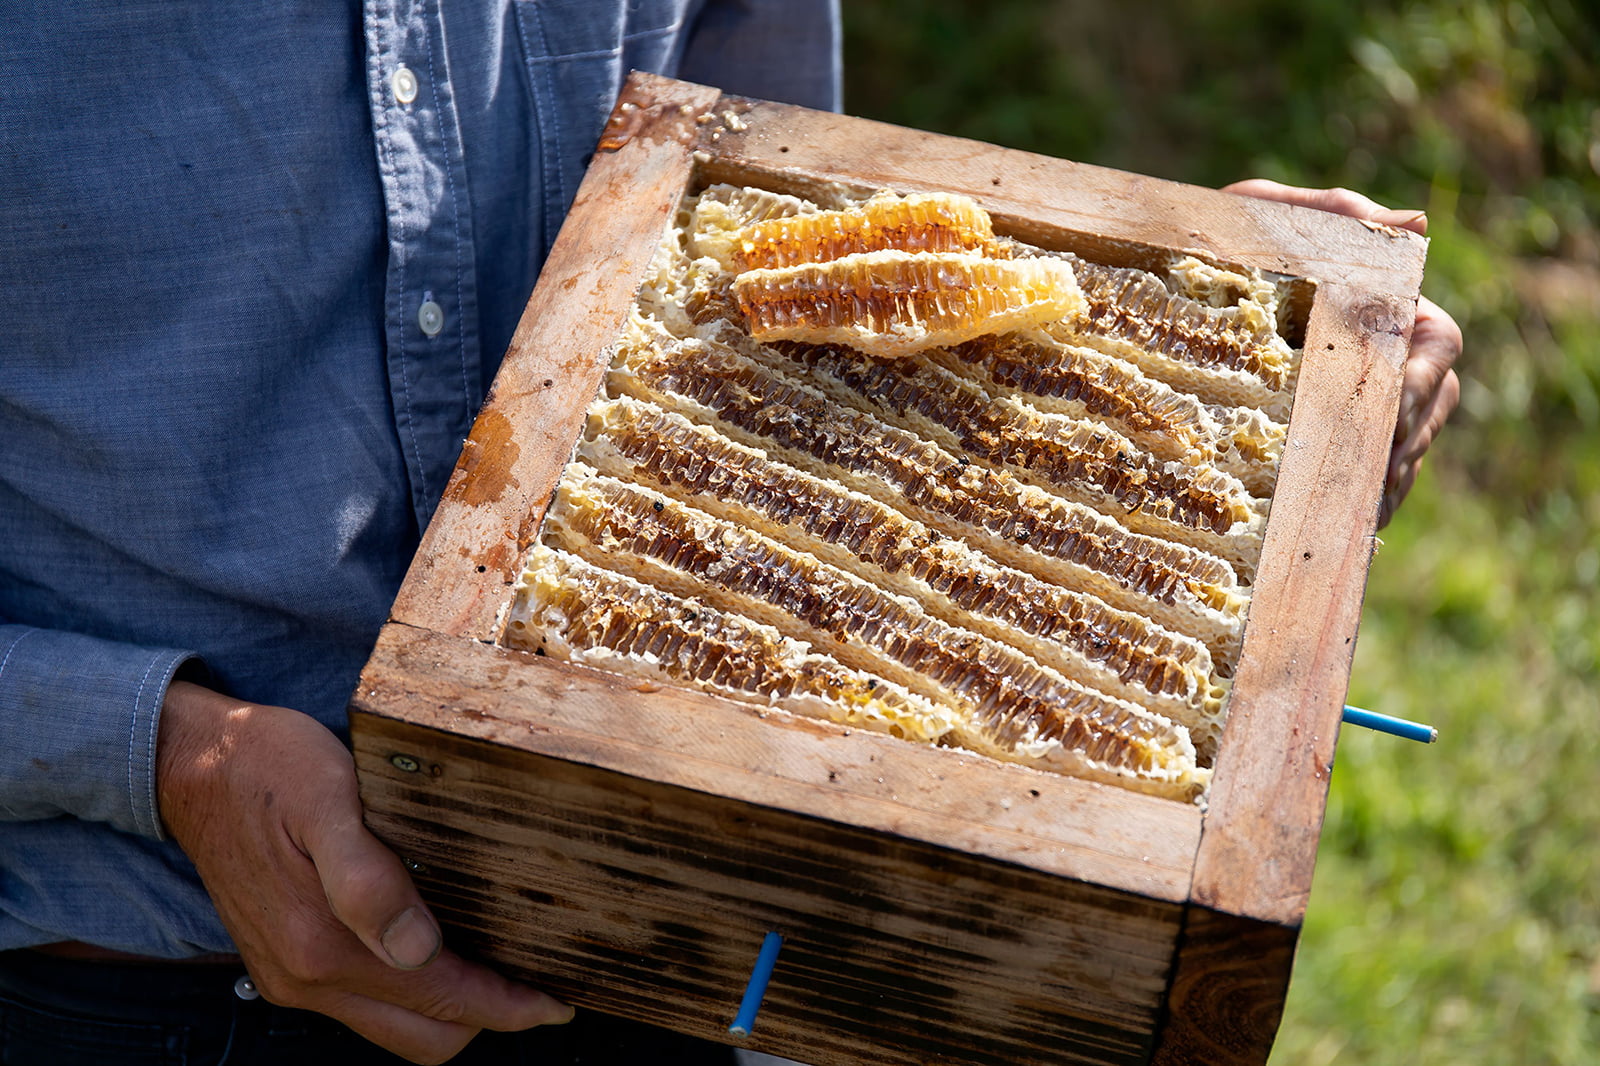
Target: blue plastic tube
(756, 989)
(1399, 727)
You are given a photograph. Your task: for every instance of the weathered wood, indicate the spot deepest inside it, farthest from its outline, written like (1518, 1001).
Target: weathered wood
(1227, 993)
(1047, 822)
(623, 893)
(1267, 798)
(495, 499)
(628, 844)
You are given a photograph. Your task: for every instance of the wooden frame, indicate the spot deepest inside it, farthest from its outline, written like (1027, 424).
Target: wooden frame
(626, 846)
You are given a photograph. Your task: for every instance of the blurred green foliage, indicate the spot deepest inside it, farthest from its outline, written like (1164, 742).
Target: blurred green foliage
(1456, 912)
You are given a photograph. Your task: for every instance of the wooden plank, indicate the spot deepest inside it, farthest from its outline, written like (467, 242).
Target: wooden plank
(1227, 992)
(1112, 214)
(1043, 821)
(625, 895)
(1267, 798)
(495, 500)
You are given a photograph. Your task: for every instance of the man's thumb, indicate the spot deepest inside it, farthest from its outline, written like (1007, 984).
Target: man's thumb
(411, 940)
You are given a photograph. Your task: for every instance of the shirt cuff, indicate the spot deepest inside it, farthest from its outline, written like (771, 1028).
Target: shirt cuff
(78, 723)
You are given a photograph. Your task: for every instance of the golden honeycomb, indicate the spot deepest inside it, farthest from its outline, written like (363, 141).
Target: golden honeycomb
(866, 460)
(891, 302)
(921, 223)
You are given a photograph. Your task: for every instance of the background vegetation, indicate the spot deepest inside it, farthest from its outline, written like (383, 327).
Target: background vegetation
(1455, 916)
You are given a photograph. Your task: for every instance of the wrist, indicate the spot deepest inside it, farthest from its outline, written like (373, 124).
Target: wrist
(192, 744)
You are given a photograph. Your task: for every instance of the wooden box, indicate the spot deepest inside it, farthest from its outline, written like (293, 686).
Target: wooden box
(627, 846)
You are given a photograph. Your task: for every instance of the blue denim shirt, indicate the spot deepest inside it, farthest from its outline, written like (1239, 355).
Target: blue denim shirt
(258, 264)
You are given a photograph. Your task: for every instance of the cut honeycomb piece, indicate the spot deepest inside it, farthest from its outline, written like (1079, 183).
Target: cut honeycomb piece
(1068, 544)
(893, 302)
(739, 206)
(1079, 459)
(1251, 434)
(1223, 355)
(1074, 633)
(664, 289)
(1012, 707)
(710, 304)
(571, 610)
(928, 222)
(722, 211)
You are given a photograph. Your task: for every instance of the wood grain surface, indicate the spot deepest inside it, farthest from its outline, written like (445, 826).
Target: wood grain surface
(1259, 843)
(1044, 821)
(1226, 997)
(459, 580)
(626, 896)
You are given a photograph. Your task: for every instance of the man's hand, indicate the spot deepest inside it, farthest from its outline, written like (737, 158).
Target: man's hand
(1431, 390)
(263, 800)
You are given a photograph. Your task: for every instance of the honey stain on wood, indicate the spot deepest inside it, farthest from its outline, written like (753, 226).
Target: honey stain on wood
(639, 114)
(497, 557)
(485, 471)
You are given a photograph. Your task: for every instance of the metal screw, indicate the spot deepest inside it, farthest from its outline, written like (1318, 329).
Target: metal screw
(414, 866)
(405, 763)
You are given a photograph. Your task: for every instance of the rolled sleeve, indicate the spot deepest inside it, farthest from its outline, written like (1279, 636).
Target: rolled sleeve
(78, 723)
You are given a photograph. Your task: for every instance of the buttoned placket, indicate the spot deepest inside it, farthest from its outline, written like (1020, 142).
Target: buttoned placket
(430, 303)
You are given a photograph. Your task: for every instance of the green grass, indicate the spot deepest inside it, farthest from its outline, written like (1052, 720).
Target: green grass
(1455, 917)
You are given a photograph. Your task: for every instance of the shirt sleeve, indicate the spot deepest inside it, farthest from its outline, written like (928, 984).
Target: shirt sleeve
(78, 723)
(784, 50)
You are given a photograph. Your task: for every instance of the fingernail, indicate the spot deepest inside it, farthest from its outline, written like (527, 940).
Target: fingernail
(1402, 218)
(412, 940)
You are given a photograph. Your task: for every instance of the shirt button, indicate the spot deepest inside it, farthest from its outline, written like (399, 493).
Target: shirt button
(245, 989)
(430, 317)
(404, 84)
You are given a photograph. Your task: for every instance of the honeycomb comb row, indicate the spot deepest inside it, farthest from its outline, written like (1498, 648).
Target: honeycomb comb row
(1011, 706)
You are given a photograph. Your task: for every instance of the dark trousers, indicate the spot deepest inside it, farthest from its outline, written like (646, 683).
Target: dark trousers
(67, 1012)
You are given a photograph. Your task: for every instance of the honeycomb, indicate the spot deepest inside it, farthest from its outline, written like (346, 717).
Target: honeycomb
(924, 223)
(866, 460)
(891, 302)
